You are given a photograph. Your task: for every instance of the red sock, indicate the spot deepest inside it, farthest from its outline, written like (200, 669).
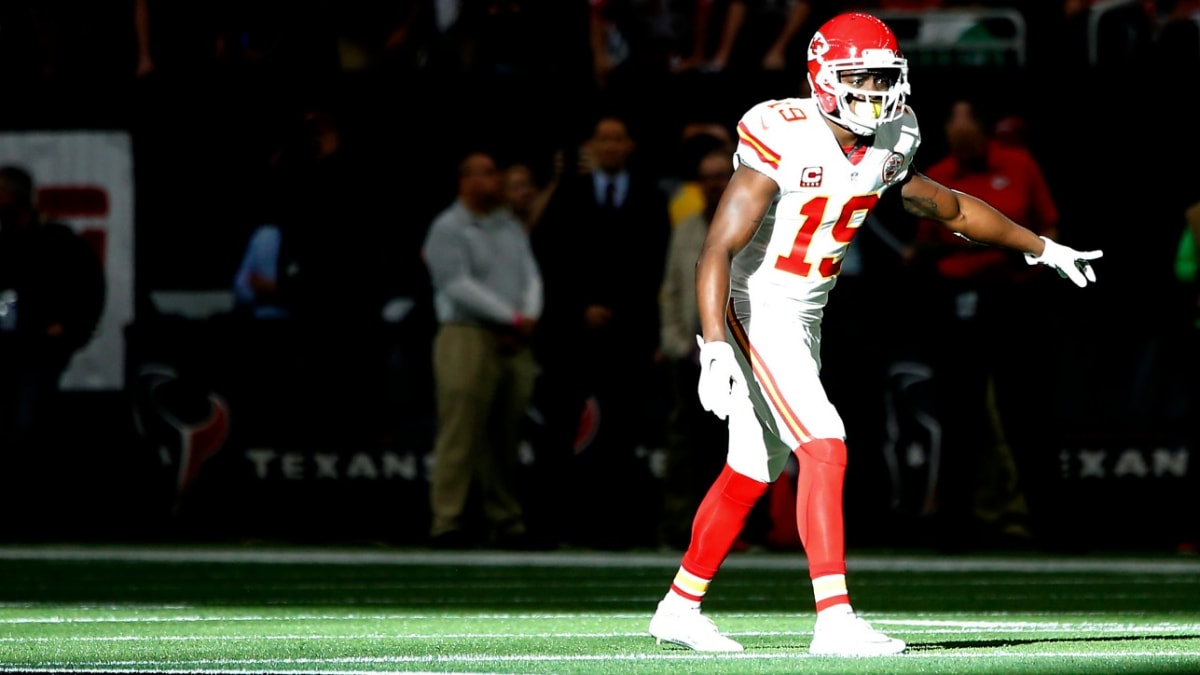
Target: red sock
(819, 510)
(719, 520)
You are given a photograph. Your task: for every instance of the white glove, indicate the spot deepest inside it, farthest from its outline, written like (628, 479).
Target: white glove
(721, 378)
(1069, 263)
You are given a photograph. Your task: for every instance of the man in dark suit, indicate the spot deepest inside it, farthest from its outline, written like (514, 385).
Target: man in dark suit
(52, 295)
(602, 246)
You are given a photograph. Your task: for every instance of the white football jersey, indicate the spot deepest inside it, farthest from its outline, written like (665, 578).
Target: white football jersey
(823, 198)
(780, 282)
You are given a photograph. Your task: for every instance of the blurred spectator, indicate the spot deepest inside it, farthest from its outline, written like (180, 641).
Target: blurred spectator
(633, 41)
(1120, 380)
(512, 38)
(290, 267)
(289, 40)
(65, 63)
(532, 54)
(1187, 273)
(488, 297)
(1012, 132)
(331, 274)
(487, 36)
(395, 35)
(696, 440)
(80, 42)
(525, 194)
(602, 245)
(256, 283)
(263, 272)
(265, 282)
(1191, 239)
(318, 292)
(987, 302)
(747, 35)
(327, 184)
(52, 294)
(175, 40)
(685, 190)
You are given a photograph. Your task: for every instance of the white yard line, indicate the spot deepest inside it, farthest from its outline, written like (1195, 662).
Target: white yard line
(228, 665)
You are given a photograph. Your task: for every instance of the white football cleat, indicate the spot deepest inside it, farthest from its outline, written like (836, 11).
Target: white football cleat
(689, 628)
(848, 635)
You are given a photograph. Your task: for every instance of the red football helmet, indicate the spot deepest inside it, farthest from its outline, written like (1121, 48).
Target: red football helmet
(857, 42)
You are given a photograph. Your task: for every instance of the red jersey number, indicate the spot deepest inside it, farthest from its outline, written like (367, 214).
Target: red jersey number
(812, 214)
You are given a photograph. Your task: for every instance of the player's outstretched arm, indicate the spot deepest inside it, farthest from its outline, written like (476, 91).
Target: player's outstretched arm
(978, 221)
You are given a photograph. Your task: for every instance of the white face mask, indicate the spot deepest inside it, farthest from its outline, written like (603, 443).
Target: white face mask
(862, 109)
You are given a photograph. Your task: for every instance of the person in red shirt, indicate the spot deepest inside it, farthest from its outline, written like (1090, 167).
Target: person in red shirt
(1007, 176)
(983, 300)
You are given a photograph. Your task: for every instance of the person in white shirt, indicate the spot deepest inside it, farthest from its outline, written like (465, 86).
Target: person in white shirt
(488, 297)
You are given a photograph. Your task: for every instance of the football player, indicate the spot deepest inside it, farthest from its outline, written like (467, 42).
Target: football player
(808, 171)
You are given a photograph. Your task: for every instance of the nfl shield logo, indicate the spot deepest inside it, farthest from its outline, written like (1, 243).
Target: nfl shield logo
(891, 167)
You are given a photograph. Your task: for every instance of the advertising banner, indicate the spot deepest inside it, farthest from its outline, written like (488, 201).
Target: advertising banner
(85, 179)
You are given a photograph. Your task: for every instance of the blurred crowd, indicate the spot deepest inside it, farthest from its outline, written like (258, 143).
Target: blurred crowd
(303, 149)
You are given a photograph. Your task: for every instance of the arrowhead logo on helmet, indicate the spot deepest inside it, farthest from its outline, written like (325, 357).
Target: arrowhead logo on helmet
(857, 43)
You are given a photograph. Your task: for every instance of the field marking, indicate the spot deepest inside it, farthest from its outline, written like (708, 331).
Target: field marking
(915, 627)
(160, 670)
(762, 561)
(995, 622)
(207, 665)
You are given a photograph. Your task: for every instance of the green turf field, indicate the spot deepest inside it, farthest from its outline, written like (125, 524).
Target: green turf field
(281, 609)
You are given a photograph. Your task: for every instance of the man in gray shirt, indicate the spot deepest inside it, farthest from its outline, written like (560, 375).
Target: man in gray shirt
(488, 297)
